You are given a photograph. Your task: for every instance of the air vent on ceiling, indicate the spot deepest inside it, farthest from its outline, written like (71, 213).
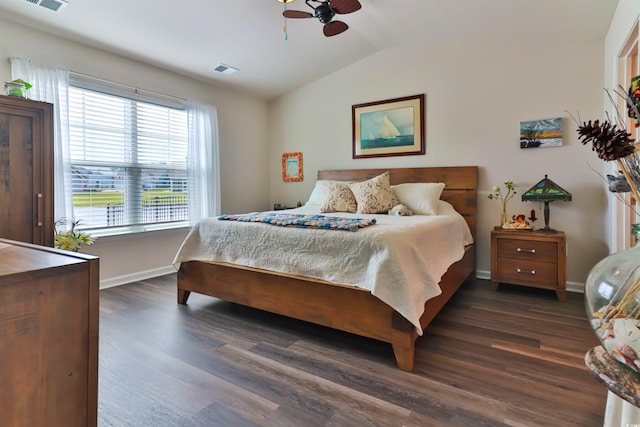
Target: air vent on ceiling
(54, 5)
(226, 69)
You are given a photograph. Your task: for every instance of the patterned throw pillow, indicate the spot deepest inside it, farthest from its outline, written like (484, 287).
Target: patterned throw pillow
(338, 198)
(374, 195)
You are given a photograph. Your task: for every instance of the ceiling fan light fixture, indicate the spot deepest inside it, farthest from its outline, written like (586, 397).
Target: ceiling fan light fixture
(286, 1)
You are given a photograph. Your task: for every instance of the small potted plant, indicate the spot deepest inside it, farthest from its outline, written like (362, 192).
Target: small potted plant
(17, 88)
(71, 239)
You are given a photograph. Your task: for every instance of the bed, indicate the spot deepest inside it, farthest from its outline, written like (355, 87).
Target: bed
(336, 305)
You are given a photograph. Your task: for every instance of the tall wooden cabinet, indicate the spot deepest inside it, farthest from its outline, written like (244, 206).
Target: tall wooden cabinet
(26, 170)
(48, 336)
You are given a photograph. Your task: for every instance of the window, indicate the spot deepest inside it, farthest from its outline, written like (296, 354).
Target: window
(128, 162)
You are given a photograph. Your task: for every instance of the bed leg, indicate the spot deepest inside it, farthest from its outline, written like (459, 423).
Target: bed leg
(404, 350)
(403, 341)
(183, 296)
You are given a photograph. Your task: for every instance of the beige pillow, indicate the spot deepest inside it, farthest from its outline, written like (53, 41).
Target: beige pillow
(374, 195)
(337, 197)
(421, 197)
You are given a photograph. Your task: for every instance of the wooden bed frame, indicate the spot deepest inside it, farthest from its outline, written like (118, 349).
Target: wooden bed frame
(343, 307)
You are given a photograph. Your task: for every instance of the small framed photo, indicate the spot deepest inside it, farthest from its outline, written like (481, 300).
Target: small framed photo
(292, 167)
(393, 127)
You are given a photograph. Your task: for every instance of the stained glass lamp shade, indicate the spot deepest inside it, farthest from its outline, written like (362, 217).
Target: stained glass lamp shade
(546, 191)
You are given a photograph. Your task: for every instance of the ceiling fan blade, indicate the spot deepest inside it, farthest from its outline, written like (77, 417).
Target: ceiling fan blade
(334, 28)
(345, 6)
(296, 14)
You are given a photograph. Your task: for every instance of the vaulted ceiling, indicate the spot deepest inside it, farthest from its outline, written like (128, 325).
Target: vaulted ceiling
(192, 37)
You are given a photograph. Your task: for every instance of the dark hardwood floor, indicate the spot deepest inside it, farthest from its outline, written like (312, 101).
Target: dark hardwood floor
(513, 357)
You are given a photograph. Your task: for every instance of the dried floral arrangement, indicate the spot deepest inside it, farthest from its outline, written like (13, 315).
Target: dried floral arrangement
(612, 142)
(615, 321)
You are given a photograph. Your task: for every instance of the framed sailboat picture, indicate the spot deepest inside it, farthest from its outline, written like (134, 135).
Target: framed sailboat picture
(394, 127)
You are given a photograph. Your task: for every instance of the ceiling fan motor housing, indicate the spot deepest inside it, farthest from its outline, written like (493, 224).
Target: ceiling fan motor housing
(324, 13)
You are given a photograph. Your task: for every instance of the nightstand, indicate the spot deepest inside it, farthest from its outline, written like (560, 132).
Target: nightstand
(529, 258)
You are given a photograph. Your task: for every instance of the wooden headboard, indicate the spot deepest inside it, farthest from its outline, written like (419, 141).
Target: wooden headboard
(461, 184)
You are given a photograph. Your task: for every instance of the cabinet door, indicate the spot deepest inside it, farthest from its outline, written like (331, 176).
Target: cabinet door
(26, 171)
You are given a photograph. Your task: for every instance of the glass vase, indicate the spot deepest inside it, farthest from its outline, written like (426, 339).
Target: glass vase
(504, 217)
(612, 302)
(15, 89)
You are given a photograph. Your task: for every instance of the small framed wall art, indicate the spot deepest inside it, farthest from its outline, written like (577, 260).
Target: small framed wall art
(393, 127)
(292, 167)
(541, 133)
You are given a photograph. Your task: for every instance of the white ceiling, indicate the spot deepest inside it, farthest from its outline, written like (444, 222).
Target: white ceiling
(191, 37)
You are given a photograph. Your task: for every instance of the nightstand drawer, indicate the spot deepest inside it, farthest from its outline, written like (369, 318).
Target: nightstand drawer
(528, 250)
(529, 258)
(528, 272)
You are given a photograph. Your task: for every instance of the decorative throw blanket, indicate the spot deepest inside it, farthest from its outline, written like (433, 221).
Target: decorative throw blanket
(302, 220)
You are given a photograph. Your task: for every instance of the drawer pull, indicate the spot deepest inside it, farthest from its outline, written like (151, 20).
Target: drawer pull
(532, 272)
(532, 251)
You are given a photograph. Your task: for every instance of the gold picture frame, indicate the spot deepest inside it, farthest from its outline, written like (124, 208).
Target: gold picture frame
(292, 167)
(393, 127)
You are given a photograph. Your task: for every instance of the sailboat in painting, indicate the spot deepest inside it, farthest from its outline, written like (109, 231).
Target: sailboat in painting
(388, 130)
(388, 135)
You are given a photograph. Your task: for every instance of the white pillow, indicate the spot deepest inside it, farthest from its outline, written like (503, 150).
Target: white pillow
(421, 197)
(317, 195)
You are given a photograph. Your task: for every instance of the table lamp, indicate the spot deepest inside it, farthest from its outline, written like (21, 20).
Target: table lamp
(546, 191)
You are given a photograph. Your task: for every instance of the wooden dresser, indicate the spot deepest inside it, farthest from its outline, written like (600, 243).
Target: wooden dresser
(529, 258)
(48, 336)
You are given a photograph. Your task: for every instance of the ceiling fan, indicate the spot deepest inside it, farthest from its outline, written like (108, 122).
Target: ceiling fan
(325, 11)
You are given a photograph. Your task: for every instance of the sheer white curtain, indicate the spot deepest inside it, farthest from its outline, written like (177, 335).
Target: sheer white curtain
(203, 162)
(51, 85)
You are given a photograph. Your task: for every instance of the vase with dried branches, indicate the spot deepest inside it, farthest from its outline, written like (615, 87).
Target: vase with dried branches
(612, 289)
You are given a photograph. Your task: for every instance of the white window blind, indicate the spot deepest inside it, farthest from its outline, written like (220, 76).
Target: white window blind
(129, 162)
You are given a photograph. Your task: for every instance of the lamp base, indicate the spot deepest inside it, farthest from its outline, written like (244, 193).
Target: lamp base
(547, 230)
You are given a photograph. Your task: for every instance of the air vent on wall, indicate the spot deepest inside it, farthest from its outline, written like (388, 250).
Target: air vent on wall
(54, 5)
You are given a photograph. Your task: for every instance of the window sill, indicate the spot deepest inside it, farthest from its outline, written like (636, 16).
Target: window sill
(136, 231)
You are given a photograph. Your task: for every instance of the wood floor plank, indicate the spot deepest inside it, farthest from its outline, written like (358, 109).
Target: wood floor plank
(508, 358)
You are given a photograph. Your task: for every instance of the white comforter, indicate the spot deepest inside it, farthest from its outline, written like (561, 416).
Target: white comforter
(399, 259)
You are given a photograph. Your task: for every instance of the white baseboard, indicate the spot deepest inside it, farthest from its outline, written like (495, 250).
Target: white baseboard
(571, 286)
(135, 277)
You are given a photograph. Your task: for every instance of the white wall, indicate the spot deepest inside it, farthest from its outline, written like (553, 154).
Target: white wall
(243, 140)
(476, 96)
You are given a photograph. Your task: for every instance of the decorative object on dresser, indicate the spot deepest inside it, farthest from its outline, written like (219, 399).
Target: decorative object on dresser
(546, 191)
(535, 259)
(342, 306)
(394, 127)
(26, 170)
(504, 199)
(292, 167)
(18, 88)
(49, 315)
